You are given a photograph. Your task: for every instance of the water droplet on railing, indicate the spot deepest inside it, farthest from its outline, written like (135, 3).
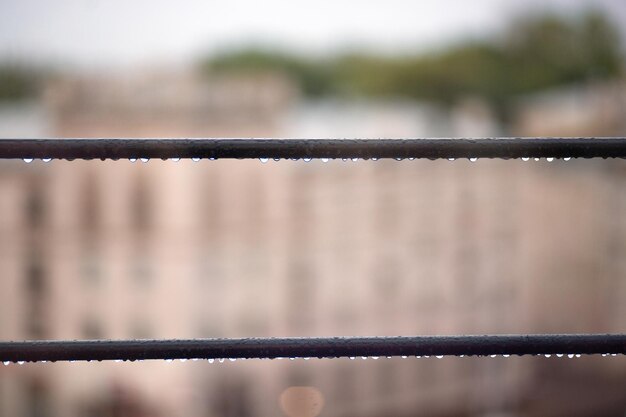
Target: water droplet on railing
(559, 355)
(547, 355)
(174, 159)
(46, 160)
(144, 160)
(276, 159)
(505, 356)
(439, 356)
(473, 159)
(306, 159)
(549, 159)
(232, 359)
(451, 159)
(182, 360)
(571, 355)
(399, 159)
(492, 356)
(20, 362)
(374, 159)
(264, 160)
(404, 356)
(6, 363)
(28, 160)
(352, 358)
(537, 159)
(169, 360)
(211, 360)
(195, 159)
(355, 159)
(375, 357)
(525, 158)
(567, 158)
(132, 160)
(221, 360)
(324, 159)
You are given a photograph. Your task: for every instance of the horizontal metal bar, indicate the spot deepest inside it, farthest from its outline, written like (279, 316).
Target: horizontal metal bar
(32, 351)
(313, 148)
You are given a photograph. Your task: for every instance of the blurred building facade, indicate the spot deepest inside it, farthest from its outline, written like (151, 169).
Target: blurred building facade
(167, 249)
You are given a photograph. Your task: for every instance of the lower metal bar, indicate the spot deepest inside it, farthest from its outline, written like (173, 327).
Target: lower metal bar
(313, 148)
(33, 351)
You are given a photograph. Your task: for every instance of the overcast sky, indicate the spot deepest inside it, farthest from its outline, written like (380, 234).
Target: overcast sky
(93, 33)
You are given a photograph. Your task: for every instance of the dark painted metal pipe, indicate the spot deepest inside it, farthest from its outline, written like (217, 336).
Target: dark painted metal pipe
(32, 351)
(313, 148)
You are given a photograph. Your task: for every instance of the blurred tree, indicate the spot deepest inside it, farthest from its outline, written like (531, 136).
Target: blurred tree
(536, 53)
(18, 82)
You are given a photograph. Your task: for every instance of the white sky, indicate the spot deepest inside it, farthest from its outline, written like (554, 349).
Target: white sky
(93, 33)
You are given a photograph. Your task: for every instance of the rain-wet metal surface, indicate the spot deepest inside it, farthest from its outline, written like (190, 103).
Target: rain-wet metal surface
(335, 347)
(107, 148)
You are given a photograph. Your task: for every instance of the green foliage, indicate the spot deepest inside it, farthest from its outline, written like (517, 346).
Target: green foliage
(18, 82)
(536, 53)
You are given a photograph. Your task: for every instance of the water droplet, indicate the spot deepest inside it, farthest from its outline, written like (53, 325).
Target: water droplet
(306, 159)
(264, 160)
(118, 360)
(144, 160)
(355, 159)
(232, 359)
(411, 159)
(221, 360)
(567, 158)
(473, 159)
(344, 159)
(399, 159)
(525, 158)
(374, 159)
(578, 355)
(439, 356)
(364, 357)
(292, 359)
(211, 360)
(550, 159)
(276, 159)
(461, 356)
(505, 356)
(547, 355)
(174, 159)
(451, 159)
(169, 360)
(183, 360)
(306, 359)
(605, 354)
(404, 356)
(352, 358)
(559, 355)
(6, 363)
(613, 354)
(324, 159)
(132, 160)
(571, 355)
(28, 160)
(537, 159)
(195, 159)
(375, 357)
(20, 362)
(46, 160)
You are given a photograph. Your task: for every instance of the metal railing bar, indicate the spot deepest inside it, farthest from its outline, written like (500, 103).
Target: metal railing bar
(335, 347)
(108, 148)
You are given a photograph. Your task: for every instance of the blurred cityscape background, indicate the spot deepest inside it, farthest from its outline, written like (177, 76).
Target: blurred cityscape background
(164, 249)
